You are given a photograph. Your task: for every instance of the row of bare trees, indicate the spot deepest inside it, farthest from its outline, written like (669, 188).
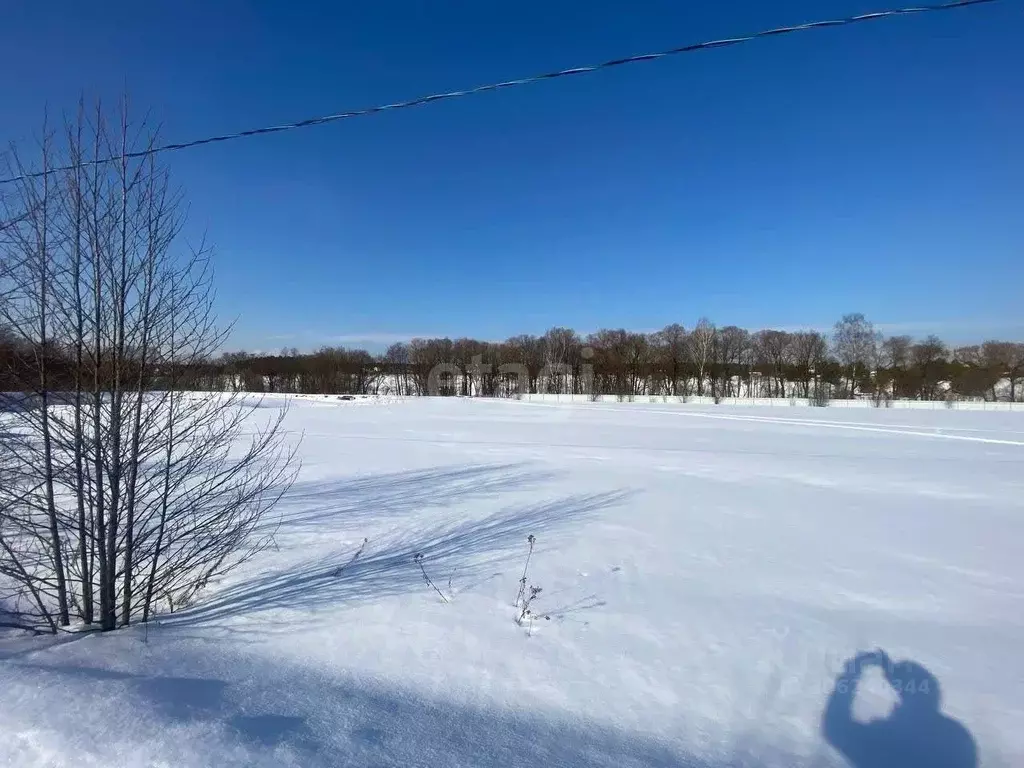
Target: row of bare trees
(122, 492)
(854, 360)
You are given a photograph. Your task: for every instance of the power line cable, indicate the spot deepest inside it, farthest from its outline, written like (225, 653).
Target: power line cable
(691, 48)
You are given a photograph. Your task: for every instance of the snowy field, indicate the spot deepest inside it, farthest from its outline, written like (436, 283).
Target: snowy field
(705, 574)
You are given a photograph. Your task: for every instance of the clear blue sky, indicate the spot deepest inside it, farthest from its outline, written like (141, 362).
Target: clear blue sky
(877, 168)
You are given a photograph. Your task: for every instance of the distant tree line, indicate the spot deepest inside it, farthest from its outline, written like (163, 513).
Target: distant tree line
(855, 360)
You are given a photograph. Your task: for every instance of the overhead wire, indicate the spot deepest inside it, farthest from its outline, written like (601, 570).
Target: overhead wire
(443, 96)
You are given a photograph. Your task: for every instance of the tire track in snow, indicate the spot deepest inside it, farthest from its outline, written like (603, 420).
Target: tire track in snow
(852, 426)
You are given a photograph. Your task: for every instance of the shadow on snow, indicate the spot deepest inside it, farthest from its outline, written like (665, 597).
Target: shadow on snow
(916, 732)
(319, 505)
(313, 720)
(310, 718)
(386, 566)
(318, 720)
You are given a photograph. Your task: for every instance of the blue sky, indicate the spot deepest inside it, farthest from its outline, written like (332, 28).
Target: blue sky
(876, 168)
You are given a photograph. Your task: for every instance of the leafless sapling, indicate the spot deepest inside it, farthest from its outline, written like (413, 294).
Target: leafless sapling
(127, 491)
(352, 559)
(526, 612)
(531, 540)
(418, 559)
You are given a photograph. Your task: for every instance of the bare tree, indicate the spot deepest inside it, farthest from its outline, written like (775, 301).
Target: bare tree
(395, 362)
(896, 358)
(700, 345)
(526, 352)
(856, 343)
(1008, 357)
(974, 374)
(616, 357)
(128, 493)
(928, 357)
(468, 355)
(433, 364)
(810, 351)
(730, 360)
(896, 352)
(775, 352)
(561, 347)
(670, 349)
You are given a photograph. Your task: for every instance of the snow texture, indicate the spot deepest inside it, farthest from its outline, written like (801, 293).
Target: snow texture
(706, 574)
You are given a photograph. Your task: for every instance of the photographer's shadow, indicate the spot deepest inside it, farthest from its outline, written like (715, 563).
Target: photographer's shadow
(916, 733)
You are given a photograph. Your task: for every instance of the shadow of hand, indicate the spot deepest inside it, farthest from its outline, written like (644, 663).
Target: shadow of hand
(916, 733)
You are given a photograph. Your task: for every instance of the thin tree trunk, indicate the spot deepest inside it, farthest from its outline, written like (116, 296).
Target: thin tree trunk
(44, 353)
(30, 583)
(120, 297)
(133, 460)
(107, 614)
(84, 532)
(162, 524)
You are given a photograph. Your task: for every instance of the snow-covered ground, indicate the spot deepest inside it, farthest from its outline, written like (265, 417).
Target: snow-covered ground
(705, 574)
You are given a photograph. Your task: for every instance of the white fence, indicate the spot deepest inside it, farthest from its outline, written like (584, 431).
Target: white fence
(786, 402)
